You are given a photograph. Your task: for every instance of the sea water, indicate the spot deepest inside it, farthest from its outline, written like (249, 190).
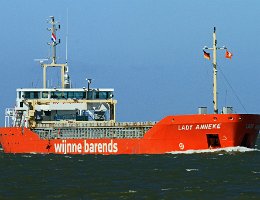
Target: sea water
(229, 173)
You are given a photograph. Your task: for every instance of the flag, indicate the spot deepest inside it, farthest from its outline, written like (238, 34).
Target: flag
(206, 55)
(228, 54)
(53, 37)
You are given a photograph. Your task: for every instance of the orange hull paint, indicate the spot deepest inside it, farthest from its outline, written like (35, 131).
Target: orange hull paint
(173, 133)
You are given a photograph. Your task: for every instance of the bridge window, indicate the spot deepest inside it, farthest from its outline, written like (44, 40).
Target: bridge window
(71, 95)
(95, 95)
(59, 95)
(80, 95)
(90, 94)
(31, 95)
(44, 95)
(77, 95)
(103, 95)
(100, 95)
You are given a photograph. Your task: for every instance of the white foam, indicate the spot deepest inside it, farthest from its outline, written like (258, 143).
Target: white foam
(189, 170)
(165, 189)
(227, 149)
(132, 191)
(26, 156)
(67, 156)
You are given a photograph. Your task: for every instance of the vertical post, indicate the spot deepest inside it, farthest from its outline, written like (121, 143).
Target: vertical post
(89, 82)
(215, 94)
(62, 75)
(44, 76)
(114, 112)
(214, 63)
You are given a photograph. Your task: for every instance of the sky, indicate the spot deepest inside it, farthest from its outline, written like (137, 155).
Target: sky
(149, 51)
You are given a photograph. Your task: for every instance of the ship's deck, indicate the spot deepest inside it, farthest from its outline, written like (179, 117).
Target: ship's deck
(94, 130)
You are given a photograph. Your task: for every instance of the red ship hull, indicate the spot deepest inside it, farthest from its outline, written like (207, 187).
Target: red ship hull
(173, 133)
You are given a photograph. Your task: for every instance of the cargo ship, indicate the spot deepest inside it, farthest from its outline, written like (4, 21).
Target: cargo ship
(68, 120)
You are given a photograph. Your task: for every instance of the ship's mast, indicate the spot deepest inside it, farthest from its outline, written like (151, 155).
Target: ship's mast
(54, 42)
(64, 67)
(215, 48)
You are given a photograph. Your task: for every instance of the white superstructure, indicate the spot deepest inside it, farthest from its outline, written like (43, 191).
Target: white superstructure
(37, 107)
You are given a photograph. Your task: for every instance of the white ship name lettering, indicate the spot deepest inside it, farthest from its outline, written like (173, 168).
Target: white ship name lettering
(184, 127)
(100, 147)
(189, 127)
(65, 147)
(88, 147)
(208, 126)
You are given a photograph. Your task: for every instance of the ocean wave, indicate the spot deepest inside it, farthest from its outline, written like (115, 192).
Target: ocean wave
(227, 149)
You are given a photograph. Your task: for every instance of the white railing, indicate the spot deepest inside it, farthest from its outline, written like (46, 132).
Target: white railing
(9, 116)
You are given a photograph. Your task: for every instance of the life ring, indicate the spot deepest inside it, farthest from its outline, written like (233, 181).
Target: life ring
(181, 145)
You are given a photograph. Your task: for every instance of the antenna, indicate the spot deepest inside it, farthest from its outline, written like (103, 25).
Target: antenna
(66, 75)
(67, 35)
